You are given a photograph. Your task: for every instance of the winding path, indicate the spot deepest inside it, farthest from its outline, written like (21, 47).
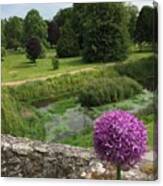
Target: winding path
(20, 82)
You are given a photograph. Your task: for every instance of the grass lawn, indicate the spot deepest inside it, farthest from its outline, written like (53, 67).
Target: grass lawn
(17, 66)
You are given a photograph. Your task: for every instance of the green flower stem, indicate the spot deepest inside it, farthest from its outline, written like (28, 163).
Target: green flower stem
(118, 173)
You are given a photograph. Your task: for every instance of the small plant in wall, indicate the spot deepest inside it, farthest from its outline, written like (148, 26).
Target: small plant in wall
(120, 138)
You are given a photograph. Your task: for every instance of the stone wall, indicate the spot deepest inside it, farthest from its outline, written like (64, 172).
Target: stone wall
(21, 157)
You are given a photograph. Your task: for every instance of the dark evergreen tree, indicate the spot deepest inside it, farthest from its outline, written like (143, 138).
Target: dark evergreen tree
(144, 25)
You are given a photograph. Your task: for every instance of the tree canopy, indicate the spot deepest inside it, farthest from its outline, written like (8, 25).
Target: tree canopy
(106, 34)
(67, 45)
(13, 32)
(144, 25)
(33, 48)
(34, 26)
(53, 32)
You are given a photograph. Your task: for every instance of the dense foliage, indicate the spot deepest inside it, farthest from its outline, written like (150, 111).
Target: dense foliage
(101, 91)
(13, 32)
(143, 71)
(133, 13)
(63, 16)
(145, 25)
(53, 33)
(33, 48)
(105, 35)
(18, 120)
(67, 45)
(35, 26)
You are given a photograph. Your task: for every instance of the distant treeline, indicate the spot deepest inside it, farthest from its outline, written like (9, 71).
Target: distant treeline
(97, 31)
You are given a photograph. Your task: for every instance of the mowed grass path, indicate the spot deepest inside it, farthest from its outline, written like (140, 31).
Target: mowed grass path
(17, 67)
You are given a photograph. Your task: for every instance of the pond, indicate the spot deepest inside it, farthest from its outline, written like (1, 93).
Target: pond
(67, 117)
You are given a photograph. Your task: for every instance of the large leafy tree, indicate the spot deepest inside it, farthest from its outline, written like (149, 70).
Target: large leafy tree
(144, 25)
(106, 34)
(35, 26)
(67, 45)
(13, 32)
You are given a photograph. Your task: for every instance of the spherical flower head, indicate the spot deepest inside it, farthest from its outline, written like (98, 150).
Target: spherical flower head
(120, 138)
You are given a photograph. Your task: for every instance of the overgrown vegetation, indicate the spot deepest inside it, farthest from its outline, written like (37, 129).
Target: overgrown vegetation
(143, 71)
(19, 120)
(103, 90)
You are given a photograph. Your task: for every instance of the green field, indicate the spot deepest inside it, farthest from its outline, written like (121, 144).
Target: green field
(17, 67)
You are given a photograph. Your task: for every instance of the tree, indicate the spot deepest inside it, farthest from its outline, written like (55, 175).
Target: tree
(35, 26)
(67, 45)
(53, 33)
(133, 14)
(144, 25)
(106, 34)
(63, 16)
(156, 24)
(78, 19)
(33, 48)
(14, 32)
(3, 37)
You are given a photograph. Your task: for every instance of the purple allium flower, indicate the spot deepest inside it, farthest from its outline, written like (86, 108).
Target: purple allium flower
(119, 137)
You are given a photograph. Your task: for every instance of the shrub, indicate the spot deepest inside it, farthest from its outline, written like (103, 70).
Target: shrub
(101, 91)
(33, 48)
(143, 71)
(55, 63)
(43, 51)
(67, 45)
(20, 50)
